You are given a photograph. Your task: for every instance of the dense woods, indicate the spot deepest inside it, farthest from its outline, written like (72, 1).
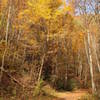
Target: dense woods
(55, 42)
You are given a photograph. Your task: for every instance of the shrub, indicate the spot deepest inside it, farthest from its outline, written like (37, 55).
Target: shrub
(72, 84)
(38, 88)
(57, 83)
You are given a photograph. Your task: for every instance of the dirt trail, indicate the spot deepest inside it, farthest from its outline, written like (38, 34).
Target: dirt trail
(73, 95)
(76, 95)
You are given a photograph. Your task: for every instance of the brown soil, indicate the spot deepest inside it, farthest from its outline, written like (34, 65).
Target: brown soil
(76, 95)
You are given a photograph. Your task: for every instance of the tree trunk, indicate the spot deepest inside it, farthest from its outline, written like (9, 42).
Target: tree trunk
(8, 21)
(6, 38)
(80, 66)
(90, 64)
(41, 68)
(95, 51)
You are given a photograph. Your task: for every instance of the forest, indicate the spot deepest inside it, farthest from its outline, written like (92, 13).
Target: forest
(49, 49)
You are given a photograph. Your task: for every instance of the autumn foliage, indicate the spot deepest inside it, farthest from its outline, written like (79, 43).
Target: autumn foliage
(45, 42)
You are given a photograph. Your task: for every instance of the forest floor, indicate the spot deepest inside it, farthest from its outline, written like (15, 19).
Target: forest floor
(73, 95)
(52, 94)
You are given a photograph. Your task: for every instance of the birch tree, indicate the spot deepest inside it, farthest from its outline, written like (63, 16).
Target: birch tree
(6, 37)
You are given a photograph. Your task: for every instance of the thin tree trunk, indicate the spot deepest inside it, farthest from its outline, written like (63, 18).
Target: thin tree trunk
(2, 66)
(41, 68)
(86, 75)
(85, 43)
(90, 64)
(7, 31)
(86, 50)
(95, 51)
(8, 21)
(80, 66)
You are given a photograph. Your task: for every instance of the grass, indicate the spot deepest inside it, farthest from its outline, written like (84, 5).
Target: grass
(48, 93)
